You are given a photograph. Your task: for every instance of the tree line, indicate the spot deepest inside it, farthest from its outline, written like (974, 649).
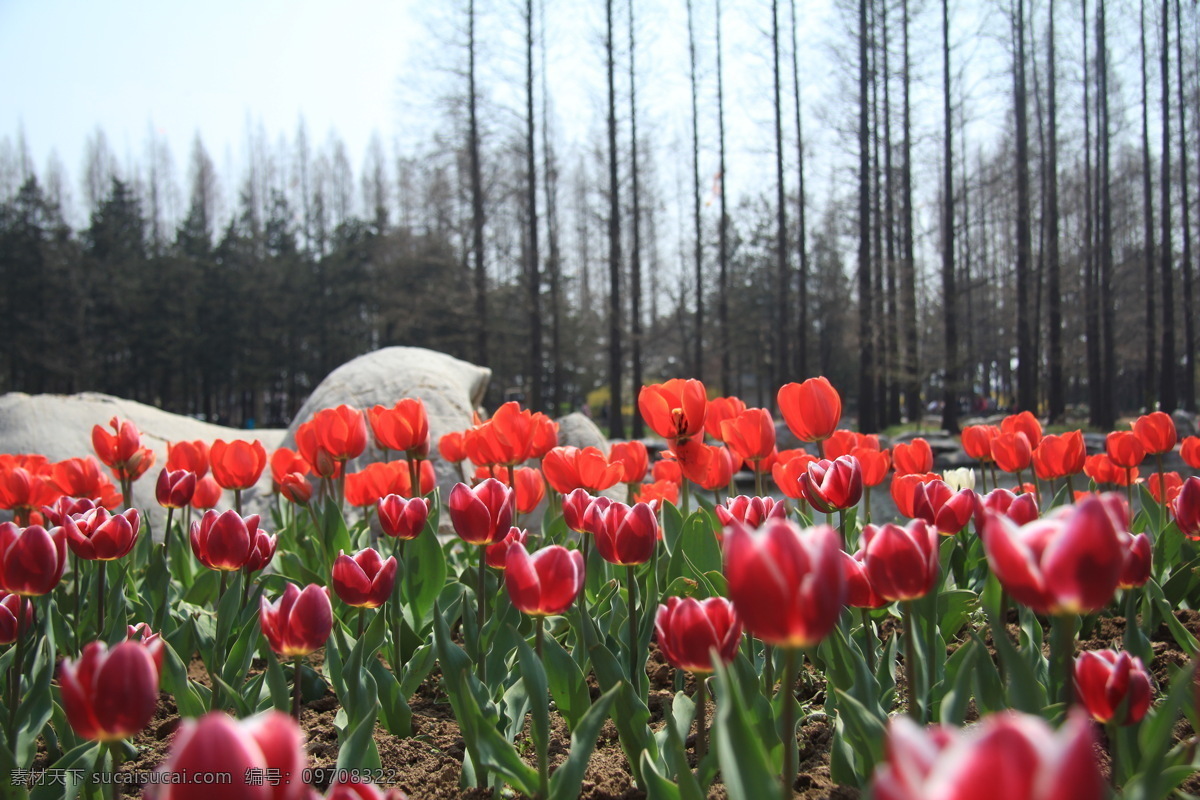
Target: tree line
(920, 266)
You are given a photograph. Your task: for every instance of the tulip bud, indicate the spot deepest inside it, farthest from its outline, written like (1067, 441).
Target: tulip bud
(237, 464)
(262, 550)
(787, 585)
(913, 458)
(364, 580)
(12, 608)
(901, 563)
(175, 489)
(574, 506)
(833, 485)
(109, 694)
(1156, 432)
(750, 511)
(627, 535)
(1124, 449)
(545, 583)
(153, 642)
(496, 555)
(225, 541)
(295, 488)
(1138, 561)
(208, 493)
(483, 514)
(1186, 508)
(811, 409)
(299, 622)
(689, 629)
(99, 536)
(31, 559)
(403, 518)
(859, 591)
(1113, 687)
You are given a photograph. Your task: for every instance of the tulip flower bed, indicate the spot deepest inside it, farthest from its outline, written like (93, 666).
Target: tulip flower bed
(1019, 638)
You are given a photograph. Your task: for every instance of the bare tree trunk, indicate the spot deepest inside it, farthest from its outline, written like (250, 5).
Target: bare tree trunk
(891, 413)
(1026, 368)
(1091, 294)
(698, 347)
(481, 356)
(635, 266)
(908, 279)
(949, 295)
(1150, 389)
(554, 264)
(782, 332)
(1166, 392)
(616, 422)
(723, 226)
(877, 307)
(800, 360)
(533, 267)
(866, 395)
(1188, 398)
(1056, 401)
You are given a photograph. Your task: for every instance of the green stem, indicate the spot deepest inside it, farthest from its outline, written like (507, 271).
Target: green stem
(789, 721)
(1062, 652)
(869, 631)
(911, 670)
(586, 546)
(769, 669)
(296, 687)
(758, 482)
(686, 484)
(701, 720)
(1114, 732)
(14, 675)
(100, 606)
(361, 614)
(115, 787)
(395, 609)
(167, 533)
(634, 677)
(1162, 487)
(237, 501)
(481, 616)
(867, 497)
(414, 477)
(540, 627)
(1129, 488)
(842, 526)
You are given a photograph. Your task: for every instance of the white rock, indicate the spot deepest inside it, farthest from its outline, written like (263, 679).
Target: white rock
(60, 426)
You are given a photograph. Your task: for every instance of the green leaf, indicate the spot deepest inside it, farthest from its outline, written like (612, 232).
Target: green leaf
(744, 763)
(952, 695)
(1026, 693)
(1183, 636)
(393, 703)
(657, 785)
(568, 685)
(494, 751)
(276, 681)
(82, 758)
(424, 576)
(358, 750)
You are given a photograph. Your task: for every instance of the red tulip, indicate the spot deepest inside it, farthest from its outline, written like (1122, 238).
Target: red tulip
(787, 585)
(341, 432)
(1164, 487)
(593, 514)
(675, 409)
(191, 456)
(284, 462)
(904, 489)
(253, 752)
(175, 489)
(811, 409)
(65, 507)
(1059, 456)
(31, 559)
(1109, 683)
(482, 514)
(513, 429)
(875, 464)
(546, 583)
(574, 506)
(860, 593)
(977, 441)
(451, 447)
(98, 536)
(667, 469)
(530, 488)
(358, 790)
(1007, 755)
(1125, 449)
(689, 629)
(833, 485)
(109, 694)
(1138, 561)
(23, 491)
(237, 465)
(713, 469)
(1156, 432)
(1068, 562)
(224, 542)
(788, 467)
(750, 435)
(1185, 509)
(1026, 423)
(496, 555)
(153, 642)
(719, 410)
(81, 477)
(901, 563)
(657, 493)
(315, 453)
(374, 481)
(569, 468)
(364, 580)
(1012, 452)
(913, 458)
(952, 512)
(749, 511)
(404, 427)
(295, 488)
(1102, 469)
(1021, 509)
(403, 518)
(545, 435)
(262, 550)
(1190, 451)
(120, 448)
(841, 443)
(208, 493)
(11, 606)
(299, 622)
(626, 535)
(633, 458)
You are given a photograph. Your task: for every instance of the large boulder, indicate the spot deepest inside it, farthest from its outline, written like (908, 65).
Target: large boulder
(60, 426)
(451, 390)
